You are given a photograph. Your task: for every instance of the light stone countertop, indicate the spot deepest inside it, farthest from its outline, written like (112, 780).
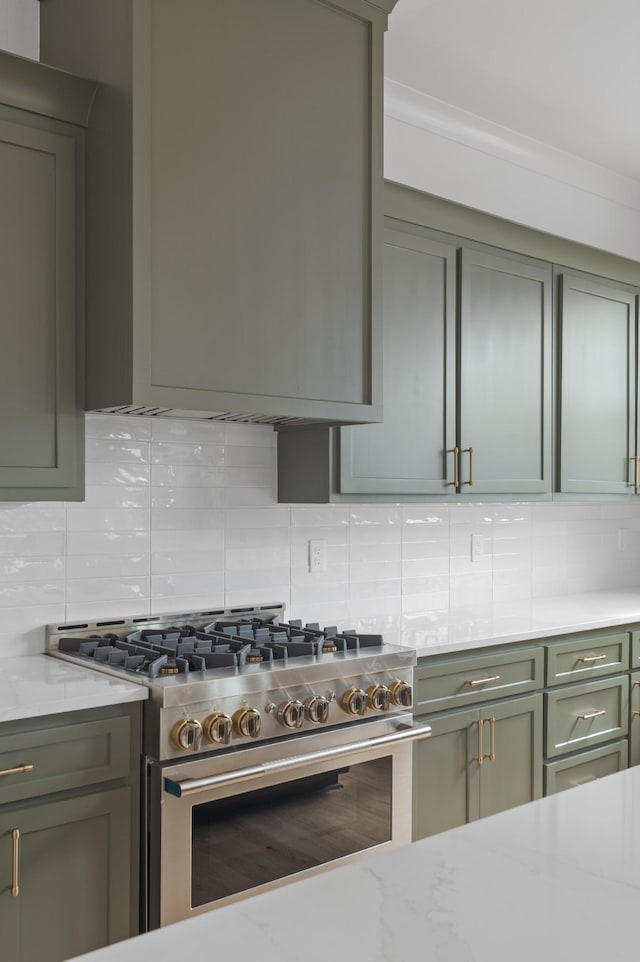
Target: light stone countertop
(35, 685)
(556, 879)
(482, 626)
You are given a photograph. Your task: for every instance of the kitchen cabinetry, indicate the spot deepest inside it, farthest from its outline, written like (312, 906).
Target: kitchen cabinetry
(69, 814)
(235, 212)
(42, 119)
(465, 415)
(598, 411)
(482, 759)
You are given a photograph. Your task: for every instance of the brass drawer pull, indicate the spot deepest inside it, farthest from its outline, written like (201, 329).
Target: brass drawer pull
(635, 713)
(17, 771)
(482, 681)
(456, 468)
(593, 714)
(636, 481)
(589, 659)
(469, 451)
(15, 888)
(480, 757)
(492, 740)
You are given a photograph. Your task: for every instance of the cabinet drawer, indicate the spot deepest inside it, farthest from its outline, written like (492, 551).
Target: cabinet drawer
(588, 714)
(584, 767)
(634, 719)
(582, 658)
(475, 679)
(64, 757)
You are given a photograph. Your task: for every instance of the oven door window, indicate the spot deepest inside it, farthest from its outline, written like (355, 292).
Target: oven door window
(268, 834)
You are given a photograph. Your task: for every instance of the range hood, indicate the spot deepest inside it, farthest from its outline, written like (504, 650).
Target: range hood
(234, 204)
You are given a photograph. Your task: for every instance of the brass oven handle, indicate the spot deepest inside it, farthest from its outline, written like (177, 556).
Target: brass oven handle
(469, 451)
(492, 740)
(15, 838)
(188, 786)
(456, 468)
(593, 714)
(480, 757)
(17, 770)
(589, 659)
(474, 682)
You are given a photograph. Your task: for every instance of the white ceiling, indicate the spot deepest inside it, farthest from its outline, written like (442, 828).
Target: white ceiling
(565, 72)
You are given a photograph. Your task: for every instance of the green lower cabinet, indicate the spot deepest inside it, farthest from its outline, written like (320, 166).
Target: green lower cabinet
(64, 881)
(580, 716)
(477, 762)
(585, 767)
(634, 719)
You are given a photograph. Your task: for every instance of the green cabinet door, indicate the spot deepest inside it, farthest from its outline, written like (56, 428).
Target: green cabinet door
(476, 763)
(407, 453)
(597, 386)
(69, 870)
(504, 375)
(511, 773)
(235, 233)
(41, 251)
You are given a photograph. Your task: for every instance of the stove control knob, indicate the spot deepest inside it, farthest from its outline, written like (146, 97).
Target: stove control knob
(379, 697)
(217, 728)
(354, 701)
(247, 723)
(316, 709)
(401, 694)
(186, 734)
(291, 714)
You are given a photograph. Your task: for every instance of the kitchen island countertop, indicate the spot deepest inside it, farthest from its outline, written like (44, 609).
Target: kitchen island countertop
(484, 625)
(557, 878)
(36, 685)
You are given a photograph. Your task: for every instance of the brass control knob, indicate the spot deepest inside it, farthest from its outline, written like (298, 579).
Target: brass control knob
(217, 728)
(354, 701)
(317, 709)
(186, 734)
(291, 714)
(247, 723)
(401, 694)
(379, 697)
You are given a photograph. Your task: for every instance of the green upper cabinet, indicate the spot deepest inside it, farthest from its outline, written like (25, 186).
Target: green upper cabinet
(466, 382)
(234, 202)
(504, 436)
(598, 364)
(42, 115)
(406, 454)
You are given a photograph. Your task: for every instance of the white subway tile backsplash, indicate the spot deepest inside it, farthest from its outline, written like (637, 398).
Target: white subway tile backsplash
(182, 515)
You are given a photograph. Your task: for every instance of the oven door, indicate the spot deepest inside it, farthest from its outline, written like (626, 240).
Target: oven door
(235, 824)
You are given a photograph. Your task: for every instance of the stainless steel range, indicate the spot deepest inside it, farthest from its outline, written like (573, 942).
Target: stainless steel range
(271, 749)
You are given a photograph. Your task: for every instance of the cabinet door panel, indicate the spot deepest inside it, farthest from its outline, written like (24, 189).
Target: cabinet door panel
(505, 374)
(514, 776)
(445, 774)
(597, 386)
(37, 280)
(74, 876)
(406, 454)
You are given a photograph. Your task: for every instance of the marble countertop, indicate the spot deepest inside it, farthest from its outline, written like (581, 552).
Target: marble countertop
(34, 685)
(482, 626)
(558, 878)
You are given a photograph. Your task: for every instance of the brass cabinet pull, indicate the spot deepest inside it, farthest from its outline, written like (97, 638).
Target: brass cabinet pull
(589, 659)
(636, 481)
(456, 468)
(480, 758)
(492, 740)
(593, 714)
(635, 713)
(635, 683)
(474, 682)
(469, 451)
(17, 771)
(15, 837)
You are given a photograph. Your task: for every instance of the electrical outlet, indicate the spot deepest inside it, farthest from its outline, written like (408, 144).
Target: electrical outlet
(317, 556)
(477, 547)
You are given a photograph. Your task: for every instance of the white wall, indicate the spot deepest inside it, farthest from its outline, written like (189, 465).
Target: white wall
(182, 515)
(20, 27)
